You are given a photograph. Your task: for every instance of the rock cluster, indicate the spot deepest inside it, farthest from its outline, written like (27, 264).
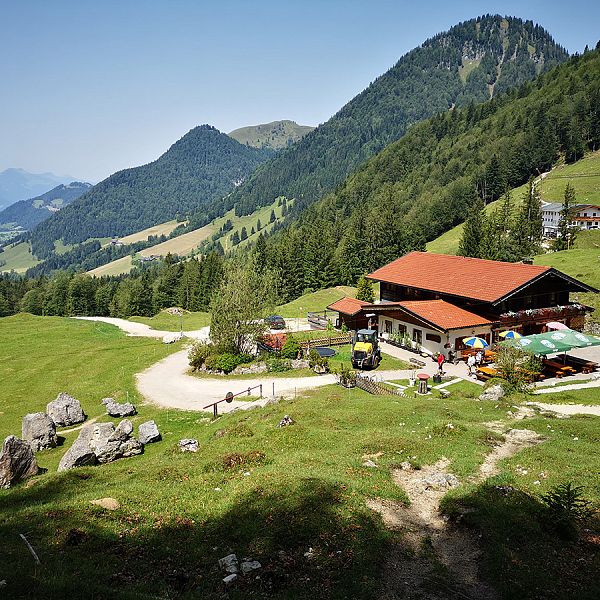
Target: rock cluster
(232, 567)
(17, 461)
(187, 445)
(287, 420)
(114, 409)
(39, 430)
(493, 393)
(101, 443)
(65, 411)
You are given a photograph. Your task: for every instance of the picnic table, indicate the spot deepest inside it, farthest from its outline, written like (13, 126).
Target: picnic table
(485, 373)
(558, 369)
(586, 366)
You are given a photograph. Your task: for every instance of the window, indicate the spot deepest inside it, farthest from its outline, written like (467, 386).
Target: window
(432, 337)
(417, 336)
(388, 326)
(401, 328)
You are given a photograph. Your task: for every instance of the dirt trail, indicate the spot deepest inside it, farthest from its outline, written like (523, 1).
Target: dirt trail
(438, 560)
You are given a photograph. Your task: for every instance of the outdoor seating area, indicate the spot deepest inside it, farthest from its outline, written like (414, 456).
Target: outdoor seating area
(552, 347)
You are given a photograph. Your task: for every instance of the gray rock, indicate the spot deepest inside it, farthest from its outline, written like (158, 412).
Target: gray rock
(493, 393)
(65, 410)
(287, 420)
(114, 409)
(230, 579)
(131, 448)
(253, 369)
(187, 445)
(440, 481)
(148, 432)
(370, 464)
(122, 432)
(406, 466)
(299, 363)
(39, 430)
(17, 461)
(250, 565)
(101, 443)
(79, 454)
(229, 563)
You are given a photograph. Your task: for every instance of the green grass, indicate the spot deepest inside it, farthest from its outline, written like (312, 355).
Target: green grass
(467, 67)
(165, 321)
(314, 301)
(17, 257)
(587, 396)
(306, 486)
(584, 175)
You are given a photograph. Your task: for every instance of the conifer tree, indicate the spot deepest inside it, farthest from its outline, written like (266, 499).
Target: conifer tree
(244, 235)
(470, 242)
(566, 231)
(235, 238)
(272, 218)
(364, 290)
(258, 225)
(529, 226)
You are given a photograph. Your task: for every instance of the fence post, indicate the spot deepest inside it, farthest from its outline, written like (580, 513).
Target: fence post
(215, 411)
(261, 390)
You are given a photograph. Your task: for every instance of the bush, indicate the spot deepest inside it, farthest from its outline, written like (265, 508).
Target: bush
(276, 365)
(291, 348)
(317, 362)
(566, 506)
(198, 354)
(346, 376)
(226, 361)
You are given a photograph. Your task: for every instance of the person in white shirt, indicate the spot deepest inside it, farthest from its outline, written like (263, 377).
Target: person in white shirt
(471, 363)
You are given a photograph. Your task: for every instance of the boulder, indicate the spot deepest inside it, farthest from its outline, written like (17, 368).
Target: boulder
(122, 432)
(17, 461)
(131, 448)
(65, 410)
(148, 432)
(493, 393)
(79, 454)
(250, 565)
(114, 409)
(39, 430)
(188, 445)
(107, 503)
(229, 564)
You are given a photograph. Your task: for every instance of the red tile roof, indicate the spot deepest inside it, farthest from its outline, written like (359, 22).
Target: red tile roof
(347, 306)
(440, 313)
(486, 280)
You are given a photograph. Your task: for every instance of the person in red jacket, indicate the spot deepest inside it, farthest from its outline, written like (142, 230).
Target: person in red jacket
(440, 362)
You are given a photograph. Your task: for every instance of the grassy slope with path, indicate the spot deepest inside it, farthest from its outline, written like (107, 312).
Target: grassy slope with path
(306, 489)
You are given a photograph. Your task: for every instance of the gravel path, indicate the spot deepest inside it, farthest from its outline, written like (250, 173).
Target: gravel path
(566, 388)
(568, 409)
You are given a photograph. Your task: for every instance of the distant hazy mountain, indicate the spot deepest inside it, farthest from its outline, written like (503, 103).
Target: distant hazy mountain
(18, 184)
(275, 135)
(26, 214)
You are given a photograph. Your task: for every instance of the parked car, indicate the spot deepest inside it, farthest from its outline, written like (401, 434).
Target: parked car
(275, 322)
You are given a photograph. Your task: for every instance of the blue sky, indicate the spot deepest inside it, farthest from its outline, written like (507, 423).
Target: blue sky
(90, 87)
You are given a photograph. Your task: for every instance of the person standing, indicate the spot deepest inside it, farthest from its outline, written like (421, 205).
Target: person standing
(440, 362)
(471, 363)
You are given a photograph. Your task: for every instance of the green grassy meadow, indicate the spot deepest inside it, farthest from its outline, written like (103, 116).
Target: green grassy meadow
(314, 301)
(17, 257)
(164, 321)
(261, 491)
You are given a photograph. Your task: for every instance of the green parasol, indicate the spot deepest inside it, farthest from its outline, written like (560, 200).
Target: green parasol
(534, 345)
(574, 339)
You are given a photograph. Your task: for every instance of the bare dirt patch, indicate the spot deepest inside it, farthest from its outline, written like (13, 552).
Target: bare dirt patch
(436, 559)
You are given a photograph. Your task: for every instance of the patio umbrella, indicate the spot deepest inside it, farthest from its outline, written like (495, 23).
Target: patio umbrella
(510, 335)
(574, 339)
(534, 345)
(556, 325)
(475, 342)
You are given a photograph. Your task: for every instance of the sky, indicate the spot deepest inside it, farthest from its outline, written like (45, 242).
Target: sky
(91, 87)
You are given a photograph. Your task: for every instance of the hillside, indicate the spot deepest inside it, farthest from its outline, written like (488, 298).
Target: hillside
(498, 52)
(584, 175)
(425, 183)
(18, 184)
(202, 166)
(275, 135)
(26, 214)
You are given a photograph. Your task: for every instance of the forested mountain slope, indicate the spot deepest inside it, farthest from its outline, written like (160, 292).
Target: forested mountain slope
(275, 135)
(28, 213)
(471, 62)
(426, 182)
(202, 166)
(18, 184)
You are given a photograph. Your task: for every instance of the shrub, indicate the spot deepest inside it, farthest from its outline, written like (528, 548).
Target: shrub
(235, 459)
(198, 354)
(291, 348)
(276, 365)
(566, 506)
(346, 376)
(226, 361)
(317, 362)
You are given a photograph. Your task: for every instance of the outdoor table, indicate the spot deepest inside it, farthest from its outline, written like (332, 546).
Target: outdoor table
(486, 372)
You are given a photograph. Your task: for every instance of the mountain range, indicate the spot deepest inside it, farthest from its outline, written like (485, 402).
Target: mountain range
(18, 184)
(208, 173)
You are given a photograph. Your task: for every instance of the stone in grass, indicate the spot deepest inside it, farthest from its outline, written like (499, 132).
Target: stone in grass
(107, 503)
(65, 410)
(39, 430)
(287, 420)
(230, 579)
(493, 393)
(115, 409)
(79, 454)
(440, 481)
(122, 432)
(250, 565)
(229, 564)
(148, 432)
(17, 461)
(370, 464)
(187, 445)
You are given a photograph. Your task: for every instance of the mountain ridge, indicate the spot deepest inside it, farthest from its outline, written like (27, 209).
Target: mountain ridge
(274, 135)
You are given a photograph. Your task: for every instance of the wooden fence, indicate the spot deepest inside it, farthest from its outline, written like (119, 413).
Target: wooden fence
(333, 340)
(373, 387)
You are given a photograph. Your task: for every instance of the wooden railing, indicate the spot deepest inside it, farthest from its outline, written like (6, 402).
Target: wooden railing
(333, 340)
(373, 387)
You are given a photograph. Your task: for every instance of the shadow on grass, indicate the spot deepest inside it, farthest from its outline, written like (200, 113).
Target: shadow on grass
(523, 553)
(310, 542)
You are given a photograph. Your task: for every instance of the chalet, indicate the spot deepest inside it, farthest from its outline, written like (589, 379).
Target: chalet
(583, 216)
(439, 299)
